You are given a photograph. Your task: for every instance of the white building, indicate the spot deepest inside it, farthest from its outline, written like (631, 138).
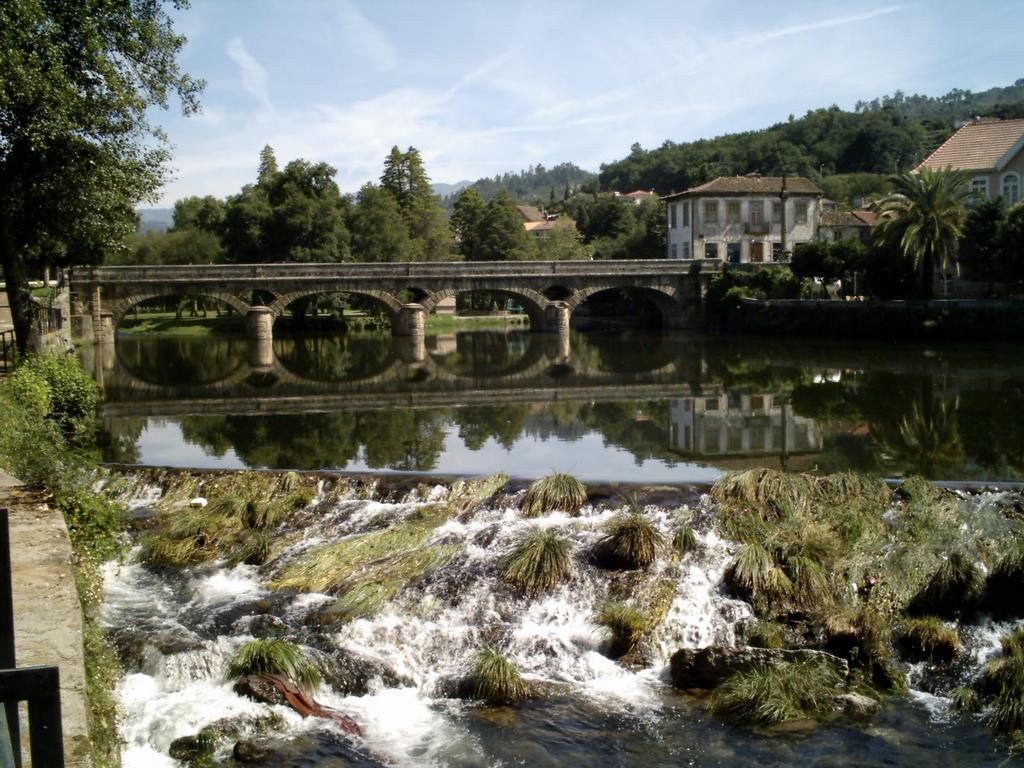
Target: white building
(743, 219)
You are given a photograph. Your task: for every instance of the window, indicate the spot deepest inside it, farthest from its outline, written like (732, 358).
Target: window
(672, 217)
(672, 251)
(777, 212)
(757, 212)
(710, 250)
(686, 214)
(686, 250)
(1011, 188)
(777, 254)
(979, 185)
(732, 212)
(711, 404)
(710, 211)
(733, 252)
(801, 211)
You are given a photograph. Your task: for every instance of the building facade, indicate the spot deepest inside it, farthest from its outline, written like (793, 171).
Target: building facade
(743, 219)
(992, 151)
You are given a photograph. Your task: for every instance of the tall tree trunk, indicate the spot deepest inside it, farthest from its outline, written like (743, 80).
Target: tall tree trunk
(19, 297)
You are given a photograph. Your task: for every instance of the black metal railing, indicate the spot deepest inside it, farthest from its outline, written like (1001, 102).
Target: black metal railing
(38, 686)
(8, 351)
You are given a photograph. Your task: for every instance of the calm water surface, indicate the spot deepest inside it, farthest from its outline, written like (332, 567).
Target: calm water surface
(621, 406)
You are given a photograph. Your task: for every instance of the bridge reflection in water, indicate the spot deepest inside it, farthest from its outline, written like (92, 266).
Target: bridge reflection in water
(649, 395)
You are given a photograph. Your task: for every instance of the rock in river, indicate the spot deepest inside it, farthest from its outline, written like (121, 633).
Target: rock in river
(707, 667)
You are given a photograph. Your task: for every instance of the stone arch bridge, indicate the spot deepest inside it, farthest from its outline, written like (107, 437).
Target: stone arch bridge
(549, 291)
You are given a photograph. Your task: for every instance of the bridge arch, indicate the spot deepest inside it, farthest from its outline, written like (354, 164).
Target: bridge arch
(534, 302)
(663, 298)
(388, 300)
(121, 307)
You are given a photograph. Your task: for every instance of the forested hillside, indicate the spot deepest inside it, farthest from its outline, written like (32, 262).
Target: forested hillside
(536, 182)
(882, 136)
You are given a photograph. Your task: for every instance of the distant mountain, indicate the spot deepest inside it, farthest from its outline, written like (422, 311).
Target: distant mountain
(442, 189)
(155, 219)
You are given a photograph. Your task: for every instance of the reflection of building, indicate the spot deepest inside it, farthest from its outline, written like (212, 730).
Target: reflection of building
(735, 424)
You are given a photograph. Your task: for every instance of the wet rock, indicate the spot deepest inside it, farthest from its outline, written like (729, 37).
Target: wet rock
(248, 751)
(258, 689)
(352, 674)
(856, 705)
(188, 749)
(707, 667)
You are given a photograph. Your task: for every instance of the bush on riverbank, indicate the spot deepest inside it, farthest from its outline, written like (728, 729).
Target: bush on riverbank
(47, 439)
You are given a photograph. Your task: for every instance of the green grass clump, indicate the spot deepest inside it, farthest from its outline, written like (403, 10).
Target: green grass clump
(768, 694)
(557, 491)
(684, 540)
(1007, 672)
(495, 679)
(468, 495)
(1005, 583)
(965, 699)
(928, 639)
(953, 590)
(631, 541)
(765, 634)
(255, 550)
(274, 657)
(539, 561)
(627, 625)
(863, 635)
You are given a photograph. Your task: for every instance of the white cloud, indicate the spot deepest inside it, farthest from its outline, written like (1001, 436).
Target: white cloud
(368, 38)
(254, 76)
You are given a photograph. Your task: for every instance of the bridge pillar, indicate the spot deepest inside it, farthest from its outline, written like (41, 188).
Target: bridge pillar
(411, 320)
(259, 323)
(556, 318)
(260, 353)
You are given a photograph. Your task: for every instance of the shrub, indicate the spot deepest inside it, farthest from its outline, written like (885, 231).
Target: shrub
(494, 679)
(274, 657)
(953, 590)
(631, 541)
(767, 694)
(557, 491)
(71, 395)
(929, 639)
(539, 561)
(627, 625)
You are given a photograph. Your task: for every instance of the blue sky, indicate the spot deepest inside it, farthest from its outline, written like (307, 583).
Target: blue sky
(486, 86)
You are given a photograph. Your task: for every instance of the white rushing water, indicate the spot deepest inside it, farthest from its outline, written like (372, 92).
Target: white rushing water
(427, 635)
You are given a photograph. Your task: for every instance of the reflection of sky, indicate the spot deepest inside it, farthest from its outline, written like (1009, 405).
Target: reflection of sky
(588, 458)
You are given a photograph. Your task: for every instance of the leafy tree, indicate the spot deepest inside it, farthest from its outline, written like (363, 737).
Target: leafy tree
(406, 179)
(77, 149)
(468, 219)
(379, 232)
(828, 261)
(247, 218)
(562, 244)
(1011, 244)
(204, 213)
(924, 219)
(268, 166)
(503, 236)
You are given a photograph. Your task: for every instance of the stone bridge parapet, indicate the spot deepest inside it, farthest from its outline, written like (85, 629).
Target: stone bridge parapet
(549, 291)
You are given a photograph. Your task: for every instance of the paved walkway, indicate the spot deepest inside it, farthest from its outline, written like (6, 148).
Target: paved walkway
(47, 614)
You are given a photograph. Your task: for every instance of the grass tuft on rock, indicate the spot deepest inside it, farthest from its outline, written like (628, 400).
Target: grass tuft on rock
(558, 491)
(627, 625)
(539, 561)
(953, 590)
(965, 699)
(275, 657)
(775, 693)
(494, 679)
(765, 634)
(928, 639)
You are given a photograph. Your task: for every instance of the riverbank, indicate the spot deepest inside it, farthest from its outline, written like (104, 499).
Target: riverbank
(48, 627)
(937, 320)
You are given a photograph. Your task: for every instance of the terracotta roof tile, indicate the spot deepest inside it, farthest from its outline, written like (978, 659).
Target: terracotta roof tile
(530, 213)
(751, 185)
(977, 146)
(841, 219)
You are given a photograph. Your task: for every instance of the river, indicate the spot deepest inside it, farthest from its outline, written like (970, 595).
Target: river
(618, 406)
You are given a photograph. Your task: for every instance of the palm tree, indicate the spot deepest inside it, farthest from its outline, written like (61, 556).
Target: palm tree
(923, 219)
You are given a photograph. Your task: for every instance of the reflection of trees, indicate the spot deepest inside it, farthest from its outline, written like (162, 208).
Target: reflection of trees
(502, 422)
(481, 354)
(639, 427)
(628, 352)
(181, 361)
(348, 357)
(118, 439)
(926, 441)
(399, 439)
